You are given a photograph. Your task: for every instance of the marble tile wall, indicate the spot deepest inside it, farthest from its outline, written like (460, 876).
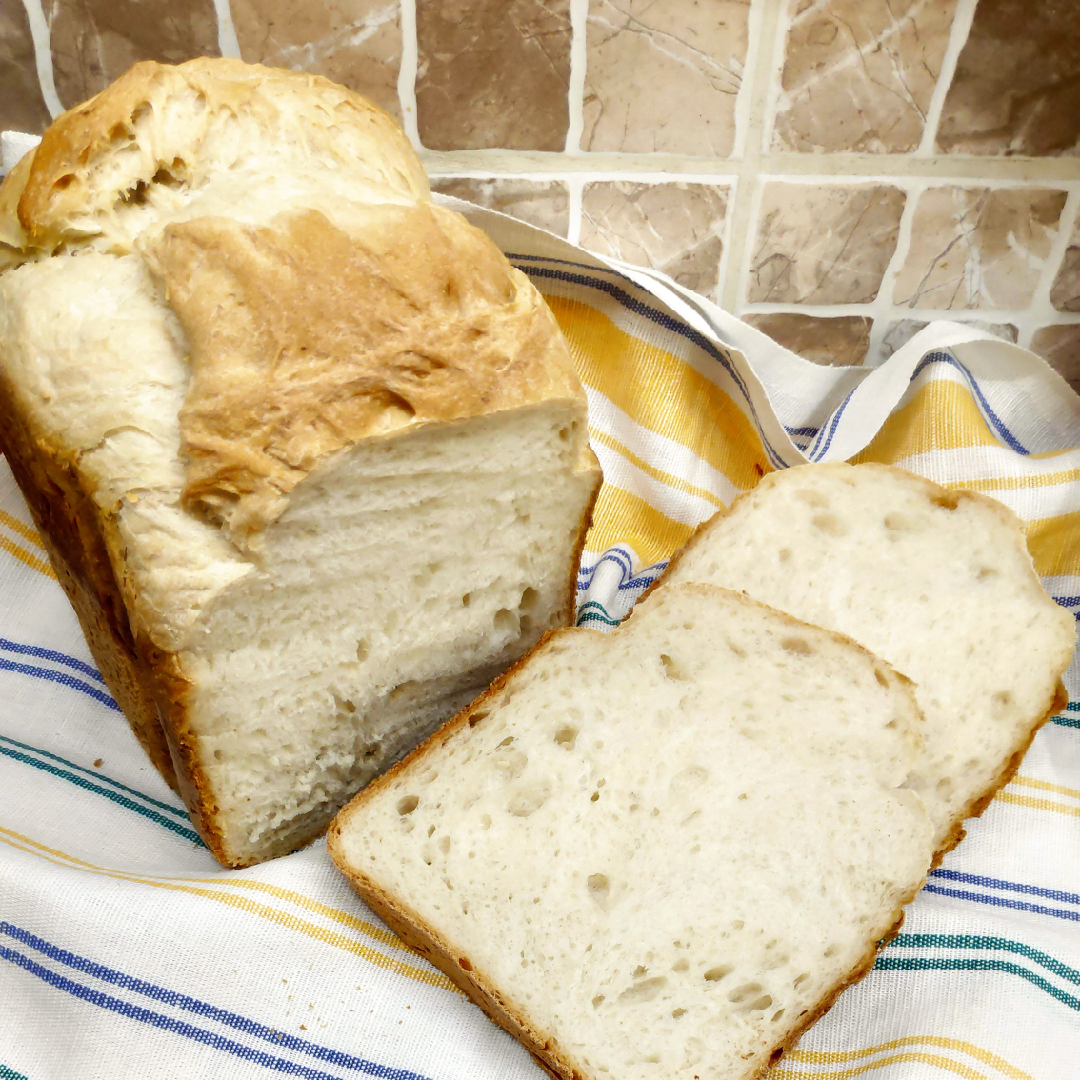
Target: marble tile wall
(837, 172)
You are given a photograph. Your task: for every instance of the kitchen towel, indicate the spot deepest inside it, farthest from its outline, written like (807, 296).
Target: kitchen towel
(127, 952)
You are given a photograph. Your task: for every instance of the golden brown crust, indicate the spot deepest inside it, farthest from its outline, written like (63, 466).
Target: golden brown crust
(305, 339)
(59, 187)
(415, 932)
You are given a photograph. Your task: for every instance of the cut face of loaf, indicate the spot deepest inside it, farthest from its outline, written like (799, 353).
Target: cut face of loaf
(939, 584)
(661, 852)
(310, 457)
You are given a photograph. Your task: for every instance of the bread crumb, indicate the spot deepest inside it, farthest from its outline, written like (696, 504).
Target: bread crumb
(97, 763)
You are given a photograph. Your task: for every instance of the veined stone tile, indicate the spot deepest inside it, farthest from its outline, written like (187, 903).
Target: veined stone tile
(674, 227)
(859, 74)
(1017, 84)
(902, 331)
(978, 247)
(493, 73)
(1065, 292)
(823, 243)
(1059, 346)
(96, 41)
(834, 341)
(353, 42)
(545, 204)
(22, 108)
(664, 77)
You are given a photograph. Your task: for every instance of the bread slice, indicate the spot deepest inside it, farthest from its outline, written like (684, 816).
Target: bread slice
(937, 583)
(660, 852)
(310, 457)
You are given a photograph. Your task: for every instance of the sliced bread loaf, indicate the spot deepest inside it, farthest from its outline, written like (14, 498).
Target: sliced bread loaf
(658, 853)
(309, 455)
(938, 583)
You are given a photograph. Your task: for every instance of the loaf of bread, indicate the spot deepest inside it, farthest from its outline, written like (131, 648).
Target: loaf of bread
(309, 456)
(661, 852)
(937, 583)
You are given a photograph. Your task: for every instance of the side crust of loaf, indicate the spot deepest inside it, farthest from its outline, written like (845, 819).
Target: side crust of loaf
(1058, 699)
(74, 535)
(476, 985)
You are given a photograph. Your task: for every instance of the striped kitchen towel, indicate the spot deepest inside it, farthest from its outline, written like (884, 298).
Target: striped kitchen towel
(127, 952)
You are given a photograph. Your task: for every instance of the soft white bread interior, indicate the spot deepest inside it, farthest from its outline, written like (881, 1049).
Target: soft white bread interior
(310, 457)
(938, 583)
(660, 852)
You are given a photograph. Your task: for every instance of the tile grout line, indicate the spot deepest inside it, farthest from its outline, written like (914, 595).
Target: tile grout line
(228, 45)
(883, 309)
(575, 185)
(41, 37)
(958, 35)
(406, 82)
(575, 96)
(1041, 311)
(746, 195)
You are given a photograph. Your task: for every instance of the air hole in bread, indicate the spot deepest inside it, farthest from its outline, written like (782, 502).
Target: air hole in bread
(407, 804)
(761, 1004)
(444, 844)
(506, 742)
(743, 992)
(883, 680)
(119, 133)
(738, 650)
(986, 572)
(566, 736)
(645, 990)
(784, 554)
(506, 621)
(800, 979)
(829, 523)
(831, 951)
(640, 971)
(715, 974)
(463, 963)
(529, 600)
(672, 670)
(1003, 698)
(947, 500)
(362, 649)
(594, 796)
(63, 182)
(776, 1016)
(135, 196)
(480, 714)
(528, 800)
(599, 887)
(812, 498)
(597, 1001)
(676, 1013)
(218, 755)
(797, 645)
(682, 964)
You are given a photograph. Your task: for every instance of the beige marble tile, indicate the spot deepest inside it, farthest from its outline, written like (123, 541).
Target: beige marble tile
(353, 42)
(1017, 84)
(675, 227)
(493, 73)
(840, 341)
(1059, 346)
(859, 74)
(95, 41)
(823, 243)
(978, 247)
(903, 330)
(22, 108)
(662, 77)
(1065, 292)
(542, 203)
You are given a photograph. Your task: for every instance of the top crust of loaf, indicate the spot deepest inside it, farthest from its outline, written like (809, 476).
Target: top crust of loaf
(157, 117)
(323, 298)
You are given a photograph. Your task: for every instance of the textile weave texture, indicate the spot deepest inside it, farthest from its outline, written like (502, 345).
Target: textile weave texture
(126, 951)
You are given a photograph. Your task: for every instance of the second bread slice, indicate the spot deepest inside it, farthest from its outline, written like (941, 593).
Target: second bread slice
(661, 852)
(937, 583)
